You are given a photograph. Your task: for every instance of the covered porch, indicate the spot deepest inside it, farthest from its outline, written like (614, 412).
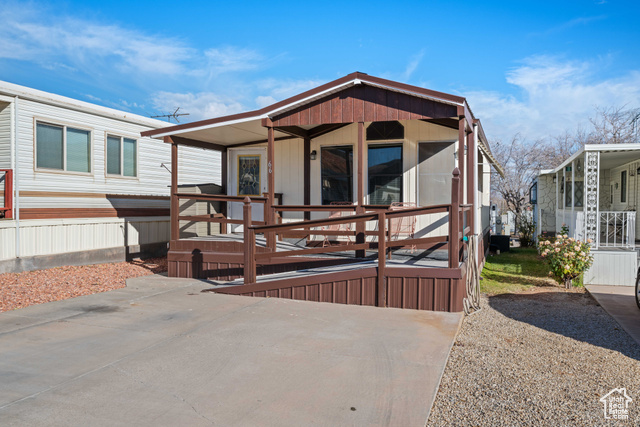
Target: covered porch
(354, 227)
(595, 194)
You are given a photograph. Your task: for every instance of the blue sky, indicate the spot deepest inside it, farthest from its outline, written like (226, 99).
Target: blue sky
(537, 68)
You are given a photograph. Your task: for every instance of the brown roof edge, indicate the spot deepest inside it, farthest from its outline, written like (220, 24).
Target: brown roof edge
(357, 75)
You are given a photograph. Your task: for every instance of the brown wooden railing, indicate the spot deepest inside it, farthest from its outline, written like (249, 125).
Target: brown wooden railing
(383, 244)
(6, 211)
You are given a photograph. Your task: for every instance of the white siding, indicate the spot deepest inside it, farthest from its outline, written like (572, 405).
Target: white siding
(612, 268)
(289, 174)
(5, 135)
(195, 165)
(52, 236)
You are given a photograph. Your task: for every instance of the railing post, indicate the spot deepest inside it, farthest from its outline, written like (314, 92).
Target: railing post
(360, 230)
(454, 221)
(382, 252)
(269, 219)
(249, 244)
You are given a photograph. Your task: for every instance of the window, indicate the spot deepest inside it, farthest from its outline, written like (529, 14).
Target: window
(435, 169)
(249, 175)
(121, 156)
(336, 165)
(384, 131)
(579, 193)
(63, 148)
(385, 174)
(623, 187)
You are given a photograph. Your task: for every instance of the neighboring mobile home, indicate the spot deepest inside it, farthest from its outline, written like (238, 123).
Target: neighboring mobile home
(341, 174)
(595, 193)
(79, 185)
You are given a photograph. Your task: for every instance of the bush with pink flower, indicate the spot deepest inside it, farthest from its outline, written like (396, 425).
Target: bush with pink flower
(567, 257)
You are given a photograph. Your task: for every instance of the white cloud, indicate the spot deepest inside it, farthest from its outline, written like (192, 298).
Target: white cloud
(553, 96)
(204, 105)
(38, 36)
(230, 59)
(281, 89)
(263, 101)
(412, 65)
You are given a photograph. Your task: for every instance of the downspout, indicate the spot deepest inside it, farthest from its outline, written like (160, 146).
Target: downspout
(16, 175)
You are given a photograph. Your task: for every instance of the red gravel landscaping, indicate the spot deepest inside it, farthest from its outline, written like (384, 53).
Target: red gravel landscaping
(18, 290)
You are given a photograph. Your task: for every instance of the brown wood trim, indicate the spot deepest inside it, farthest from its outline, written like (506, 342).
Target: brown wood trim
(63, 213)
(89, 195)
(198, 144)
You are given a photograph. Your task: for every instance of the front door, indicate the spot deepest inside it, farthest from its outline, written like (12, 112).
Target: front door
(247, 177)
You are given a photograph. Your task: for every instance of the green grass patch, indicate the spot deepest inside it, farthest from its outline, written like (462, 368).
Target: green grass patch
(515, 271)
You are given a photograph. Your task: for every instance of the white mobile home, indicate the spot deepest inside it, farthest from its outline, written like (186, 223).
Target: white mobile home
(78, 184)
(595, 193)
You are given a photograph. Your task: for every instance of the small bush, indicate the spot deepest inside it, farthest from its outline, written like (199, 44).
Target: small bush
(567, 258)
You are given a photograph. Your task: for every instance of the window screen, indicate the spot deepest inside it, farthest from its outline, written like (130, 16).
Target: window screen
(336, 174)
(49, 146)
(113, 155)
(436, 164)
(623, 187)
(385, 174)
(129, 157)
(78, 150)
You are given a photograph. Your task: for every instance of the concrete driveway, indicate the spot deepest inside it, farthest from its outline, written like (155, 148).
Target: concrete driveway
(620, 303)
(160, 352)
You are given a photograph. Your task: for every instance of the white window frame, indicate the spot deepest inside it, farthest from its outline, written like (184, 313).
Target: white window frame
(64, 127)
(393, 143)
(106, 158)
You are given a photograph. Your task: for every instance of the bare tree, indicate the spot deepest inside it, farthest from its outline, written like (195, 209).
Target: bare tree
(614, 125)
(521, 162)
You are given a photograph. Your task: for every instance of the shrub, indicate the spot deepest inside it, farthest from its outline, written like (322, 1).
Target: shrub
(526, 231)
(567, 258)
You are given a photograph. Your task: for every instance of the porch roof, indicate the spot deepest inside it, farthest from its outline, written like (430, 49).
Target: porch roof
(355, 97)
(611, 155)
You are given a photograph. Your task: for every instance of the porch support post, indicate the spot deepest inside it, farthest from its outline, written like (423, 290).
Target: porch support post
(592, 205)
(557, 201)
(269, 213)
(307, 176)
(471, 177)
(175, 203)
(224, 209)
(454, 221)
(361, 225)
(573, 199)
(564, 195)
(461, 140)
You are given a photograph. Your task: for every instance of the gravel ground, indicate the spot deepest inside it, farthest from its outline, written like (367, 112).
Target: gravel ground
(19, 290)
(542, 358)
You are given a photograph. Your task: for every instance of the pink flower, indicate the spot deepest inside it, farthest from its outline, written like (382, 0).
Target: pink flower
(557, 249)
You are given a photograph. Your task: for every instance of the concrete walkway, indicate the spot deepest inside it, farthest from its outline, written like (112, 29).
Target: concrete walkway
(620, 303)
(160, 352)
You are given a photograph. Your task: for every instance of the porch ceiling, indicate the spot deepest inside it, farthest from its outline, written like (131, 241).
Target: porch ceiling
(613, 159)
(230, 134)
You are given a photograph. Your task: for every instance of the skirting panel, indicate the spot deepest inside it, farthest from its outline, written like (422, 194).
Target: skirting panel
(360, 287)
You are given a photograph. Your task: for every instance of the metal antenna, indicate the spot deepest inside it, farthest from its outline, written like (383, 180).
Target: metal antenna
(174, 115)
